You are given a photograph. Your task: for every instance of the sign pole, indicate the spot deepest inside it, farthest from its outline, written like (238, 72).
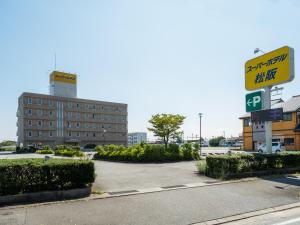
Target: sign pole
(268, 124)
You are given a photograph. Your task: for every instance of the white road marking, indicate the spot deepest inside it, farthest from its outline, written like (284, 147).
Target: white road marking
(288, 221)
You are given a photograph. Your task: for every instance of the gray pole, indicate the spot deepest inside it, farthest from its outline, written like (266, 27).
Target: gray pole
(200, 115)
(268, 124)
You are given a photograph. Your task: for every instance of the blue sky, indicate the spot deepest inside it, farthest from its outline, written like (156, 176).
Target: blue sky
(158, 56)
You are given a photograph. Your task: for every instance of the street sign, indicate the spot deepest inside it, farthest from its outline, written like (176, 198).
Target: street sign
(272, 68)
(254, 101)
(267, 115)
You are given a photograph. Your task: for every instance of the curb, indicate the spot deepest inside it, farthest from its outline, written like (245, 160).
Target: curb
(44, 196)
(243, 216)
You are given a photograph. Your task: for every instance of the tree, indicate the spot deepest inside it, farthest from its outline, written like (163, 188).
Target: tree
(215, 141)
(166, 126)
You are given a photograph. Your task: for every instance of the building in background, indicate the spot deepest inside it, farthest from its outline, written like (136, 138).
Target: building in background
(137, 138)
(62, 118)
(286, 131)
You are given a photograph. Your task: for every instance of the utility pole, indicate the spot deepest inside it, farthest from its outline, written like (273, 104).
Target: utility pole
(200, 116)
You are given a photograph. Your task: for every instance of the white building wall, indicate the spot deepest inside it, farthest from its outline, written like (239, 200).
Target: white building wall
(137, 138)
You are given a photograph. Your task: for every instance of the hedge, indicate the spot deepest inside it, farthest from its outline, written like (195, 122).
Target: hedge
(45, 151)
(222, 166)
(146, 153)
(68, 150)
(33, 175)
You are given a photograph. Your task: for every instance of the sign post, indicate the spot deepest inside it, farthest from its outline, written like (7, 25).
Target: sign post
(273, 68)
(268, 124)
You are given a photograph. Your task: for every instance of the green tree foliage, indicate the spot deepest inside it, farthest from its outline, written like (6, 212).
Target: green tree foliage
(7, 143)
(166, 126)
(215, 141)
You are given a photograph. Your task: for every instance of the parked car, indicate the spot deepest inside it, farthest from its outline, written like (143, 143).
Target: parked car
(277, 147)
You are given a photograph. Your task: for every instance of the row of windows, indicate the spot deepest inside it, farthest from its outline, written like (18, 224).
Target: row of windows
(71, 105)
(78, 115)
(285, 117)
(72, 134)
(94, 125)
(40, 112)
(77, 125)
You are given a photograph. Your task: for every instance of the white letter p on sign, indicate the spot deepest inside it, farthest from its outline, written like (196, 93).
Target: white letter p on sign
(256, 99)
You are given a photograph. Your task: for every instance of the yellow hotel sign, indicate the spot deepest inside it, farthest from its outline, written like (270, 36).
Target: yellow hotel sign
(63, 77)
(272, 68)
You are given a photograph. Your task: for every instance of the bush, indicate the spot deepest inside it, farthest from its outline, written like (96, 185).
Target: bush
(45, 151)
(31, 149)
(32, 175)
(222, 166)
(68, 151)
(201, 165)
(144, 153)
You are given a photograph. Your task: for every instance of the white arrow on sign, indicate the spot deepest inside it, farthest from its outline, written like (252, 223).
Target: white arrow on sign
(256, 99)
(249, 102)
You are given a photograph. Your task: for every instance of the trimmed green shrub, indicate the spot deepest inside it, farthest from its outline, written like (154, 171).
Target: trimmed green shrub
(144, 153)
(45, 151)
(26, 150)
(68, 151)
(33, 175)
(222, 166)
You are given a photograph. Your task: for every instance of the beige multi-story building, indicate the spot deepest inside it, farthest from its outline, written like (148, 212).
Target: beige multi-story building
(53, 120)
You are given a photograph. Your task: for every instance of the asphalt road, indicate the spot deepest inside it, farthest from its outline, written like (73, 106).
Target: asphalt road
(174, 207)
(286, 217)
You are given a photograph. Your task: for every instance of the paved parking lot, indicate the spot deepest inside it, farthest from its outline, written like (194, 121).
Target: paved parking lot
(115, 176)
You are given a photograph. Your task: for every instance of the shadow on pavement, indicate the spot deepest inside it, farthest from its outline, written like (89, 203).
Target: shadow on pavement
(287, 180)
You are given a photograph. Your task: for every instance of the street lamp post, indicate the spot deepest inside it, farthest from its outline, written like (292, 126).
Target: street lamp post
(200, 116)
(104, 131)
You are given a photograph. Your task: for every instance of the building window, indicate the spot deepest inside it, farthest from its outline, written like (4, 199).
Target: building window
(289, 141)
(69, 115)
(287, 116)
(93, 116)
(78, 115)
(87, 134)
(77, 125)
(39, 133)
(40, 112)
(40, 123)
(70, 134)
(29, 122)
(77, 105)
(29, 134)
(29, 101)
(50, 134)
(94, 134)
(94, 107)
(50, 102)
(50, 113)
(247, 122)
(68, 124)
(69, 104)
(78, 134)
(30, 112)
(50, 123)
(39, 101)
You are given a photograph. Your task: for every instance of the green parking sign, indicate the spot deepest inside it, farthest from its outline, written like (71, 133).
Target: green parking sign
(254, 101)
